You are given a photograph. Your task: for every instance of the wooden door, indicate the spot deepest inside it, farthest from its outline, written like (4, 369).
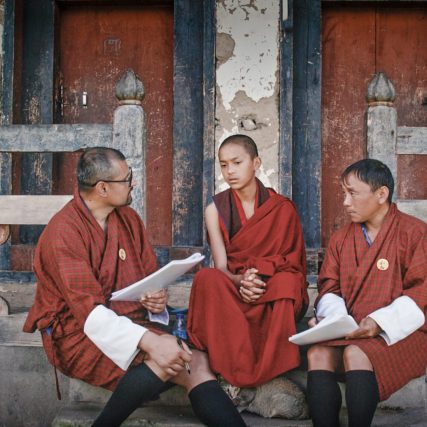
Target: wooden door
(357, 42)
(97, 43)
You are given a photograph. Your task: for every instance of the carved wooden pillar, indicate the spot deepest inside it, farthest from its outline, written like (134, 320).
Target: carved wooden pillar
(129, 132)
(382, 122)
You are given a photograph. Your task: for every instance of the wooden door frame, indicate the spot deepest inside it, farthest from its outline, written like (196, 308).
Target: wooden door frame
(300, 107)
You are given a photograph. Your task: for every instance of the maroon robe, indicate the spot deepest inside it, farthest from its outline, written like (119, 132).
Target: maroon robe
(78, 267)
(248, 343)
(350, 271)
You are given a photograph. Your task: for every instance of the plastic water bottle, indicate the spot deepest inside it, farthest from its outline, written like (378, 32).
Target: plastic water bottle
(179, 329)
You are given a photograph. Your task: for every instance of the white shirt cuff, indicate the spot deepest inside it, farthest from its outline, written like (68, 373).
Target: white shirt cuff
(116, 336)
(330, 304)
(162, 317)
(399, 319)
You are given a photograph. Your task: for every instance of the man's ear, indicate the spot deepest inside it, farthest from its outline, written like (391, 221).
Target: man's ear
(257, 163)
(382, 194)
(101, 189)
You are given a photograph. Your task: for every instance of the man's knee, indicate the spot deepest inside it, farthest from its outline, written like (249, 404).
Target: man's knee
(356, 359)
(200, 371)
(322, 357)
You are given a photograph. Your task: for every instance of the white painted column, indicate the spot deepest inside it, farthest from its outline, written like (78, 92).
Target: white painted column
(382, 122)
(129, 133)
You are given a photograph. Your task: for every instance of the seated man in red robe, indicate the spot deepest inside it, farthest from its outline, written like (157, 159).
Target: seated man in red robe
(375, 270)
(94, 246)
(243, 311)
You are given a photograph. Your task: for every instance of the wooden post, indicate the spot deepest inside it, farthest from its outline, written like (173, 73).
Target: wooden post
(382, 122)
(129, 132)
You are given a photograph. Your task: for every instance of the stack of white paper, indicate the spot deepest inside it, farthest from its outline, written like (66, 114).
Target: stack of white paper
(160, 279)
(329, 328)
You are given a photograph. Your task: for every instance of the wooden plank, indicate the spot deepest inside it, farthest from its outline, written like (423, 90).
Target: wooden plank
(36, 97)
(411, 177)
(54, 138)
(417, 208)
(136, 35)
(401, 34)
(209, 108)
(306, 154)
(411, 140)
(30, 209)
(6, 111)
(286, 102)
(348, 61)
(187, 199)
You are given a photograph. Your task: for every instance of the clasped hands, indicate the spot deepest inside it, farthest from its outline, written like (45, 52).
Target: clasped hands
(252, 287)
(368, 328)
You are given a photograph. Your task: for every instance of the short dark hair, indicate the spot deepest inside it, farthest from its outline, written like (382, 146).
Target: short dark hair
(95, 164)
(372, 172)
(244, 141)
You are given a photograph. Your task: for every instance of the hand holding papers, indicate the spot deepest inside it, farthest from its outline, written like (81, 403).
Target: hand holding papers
(331, 327)
(160, 279)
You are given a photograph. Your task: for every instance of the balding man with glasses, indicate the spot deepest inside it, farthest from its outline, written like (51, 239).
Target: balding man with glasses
(94, 246)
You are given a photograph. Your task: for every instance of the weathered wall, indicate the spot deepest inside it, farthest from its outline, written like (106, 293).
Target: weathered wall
(247, 78)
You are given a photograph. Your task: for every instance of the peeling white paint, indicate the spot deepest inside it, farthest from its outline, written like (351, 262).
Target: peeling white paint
(254, 28)
(247, 96)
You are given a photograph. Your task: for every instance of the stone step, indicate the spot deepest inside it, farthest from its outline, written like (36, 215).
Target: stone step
(83, 414)
(11, 332)
(412, 395)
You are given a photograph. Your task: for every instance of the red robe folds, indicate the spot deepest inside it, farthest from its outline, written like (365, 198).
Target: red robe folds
(78, 267)
(350, 271)
(248, 343)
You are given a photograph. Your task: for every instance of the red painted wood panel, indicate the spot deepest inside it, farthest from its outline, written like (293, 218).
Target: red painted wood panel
(97, 43)
(412, 176)
(402, 52)
(348, 62)
(357, 42)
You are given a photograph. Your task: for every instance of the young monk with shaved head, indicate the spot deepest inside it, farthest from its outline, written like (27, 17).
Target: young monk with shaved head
(243, 311)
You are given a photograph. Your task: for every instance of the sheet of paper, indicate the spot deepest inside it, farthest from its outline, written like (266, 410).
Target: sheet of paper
(160, 279)
(331, 327)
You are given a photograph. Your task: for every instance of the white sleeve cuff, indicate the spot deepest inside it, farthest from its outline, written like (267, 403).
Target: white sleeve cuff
(162, 317)
(399, 319)
(330, 304)
(116, 336)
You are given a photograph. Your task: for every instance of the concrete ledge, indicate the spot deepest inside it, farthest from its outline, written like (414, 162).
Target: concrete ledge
(27, 388)
(11, 332)
(412, 395)
(80, 392)
(82, 415)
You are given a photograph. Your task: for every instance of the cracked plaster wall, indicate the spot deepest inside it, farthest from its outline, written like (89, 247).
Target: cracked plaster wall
(247, 78)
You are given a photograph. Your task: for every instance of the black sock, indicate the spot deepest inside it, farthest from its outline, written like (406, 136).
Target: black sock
(138, 385)
(213, 407)
(324, 398)
(362, 397)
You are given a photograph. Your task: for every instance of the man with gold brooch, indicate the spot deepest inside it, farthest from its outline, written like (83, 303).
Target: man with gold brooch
(375, 269)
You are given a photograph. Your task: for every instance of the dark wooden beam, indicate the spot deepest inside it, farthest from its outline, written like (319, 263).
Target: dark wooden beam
(188, 123)
(306, 165)
(286, 102)
(36, 101)
(209, 108)
(6, 111)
